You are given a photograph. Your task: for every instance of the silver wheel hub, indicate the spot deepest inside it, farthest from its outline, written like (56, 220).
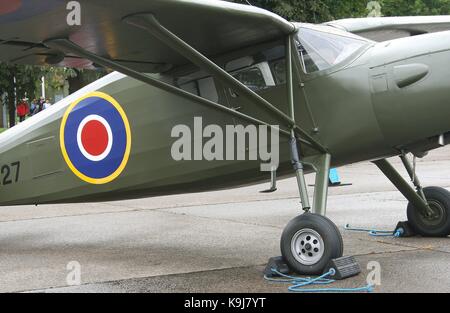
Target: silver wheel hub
(307, 246)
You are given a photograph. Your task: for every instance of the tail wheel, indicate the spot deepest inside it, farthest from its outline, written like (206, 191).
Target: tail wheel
(309, 242)
(436, 224)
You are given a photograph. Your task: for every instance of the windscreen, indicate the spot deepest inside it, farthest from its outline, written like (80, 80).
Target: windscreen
(321, 50)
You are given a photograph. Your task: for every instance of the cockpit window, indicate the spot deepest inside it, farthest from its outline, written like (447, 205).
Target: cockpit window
(320, 50)
(251, 77)
(259, 71)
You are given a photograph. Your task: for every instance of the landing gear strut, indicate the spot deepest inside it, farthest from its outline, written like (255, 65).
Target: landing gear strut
(311, 240)
(428, 209)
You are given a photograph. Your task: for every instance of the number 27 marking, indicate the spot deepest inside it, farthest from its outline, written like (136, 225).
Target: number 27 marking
(6, 173)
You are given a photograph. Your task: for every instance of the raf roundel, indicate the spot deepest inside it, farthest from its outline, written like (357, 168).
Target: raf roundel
(95, 138)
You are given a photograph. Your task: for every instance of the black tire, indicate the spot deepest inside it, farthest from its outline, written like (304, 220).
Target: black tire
(292, 243)
(439, 226)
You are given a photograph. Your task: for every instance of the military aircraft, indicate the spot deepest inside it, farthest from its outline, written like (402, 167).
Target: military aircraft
(338, 93)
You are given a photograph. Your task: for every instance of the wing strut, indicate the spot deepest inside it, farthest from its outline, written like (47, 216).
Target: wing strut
(149, 23)
(68, 46)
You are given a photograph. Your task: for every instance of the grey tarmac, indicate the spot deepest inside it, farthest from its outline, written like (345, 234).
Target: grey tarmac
(216, 241)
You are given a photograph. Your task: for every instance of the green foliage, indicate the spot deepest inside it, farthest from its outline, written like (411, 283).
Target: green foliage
(56, 77)
(28, 78)
(317, 11)
(18, 78)
(415, 7)
(17, 81)
(312, 11)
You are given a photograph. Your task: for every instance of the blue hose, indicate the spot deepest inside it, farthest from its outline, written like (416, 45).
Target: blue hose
(297, 283)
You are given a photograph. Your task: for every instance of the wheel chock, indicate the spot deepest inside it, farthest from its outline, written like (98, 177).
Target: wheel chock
(343, 267)
(276, 265)
(405, 230)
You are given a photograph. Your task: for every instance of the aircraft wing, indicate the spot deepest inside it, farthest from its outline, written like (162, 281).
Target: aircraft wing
(211, 26)
(388, 28)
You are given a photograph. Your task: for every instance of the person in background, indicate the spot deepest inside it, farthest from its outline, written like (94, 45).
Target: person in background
(41, 104)
(47, 104)
(22, 110)
(33, 107)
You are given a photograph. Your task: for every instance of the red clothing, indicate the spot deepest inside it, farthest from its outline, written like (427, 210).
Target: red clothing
(22, 109)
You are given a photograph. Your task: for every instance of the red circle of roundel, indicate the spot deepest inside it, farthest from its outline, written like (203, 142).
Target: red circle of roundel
(94, 138)
(9, 6)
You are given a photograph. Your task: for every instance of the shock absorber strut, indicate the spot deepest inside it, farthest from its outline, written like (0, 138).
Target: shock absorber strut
(299, 173)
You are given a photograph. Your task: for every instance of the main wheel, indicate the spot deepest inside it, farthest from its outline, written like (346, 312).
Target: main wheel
(437, 225)
(309, 242)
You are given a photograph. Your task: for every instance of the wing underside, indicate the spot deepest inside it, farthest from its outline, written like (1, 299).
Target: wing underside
(211, 26)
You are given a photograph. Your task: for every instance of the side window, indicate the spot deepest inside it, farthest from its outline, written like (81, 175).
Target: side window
(204, 87)
(279, 71)
(263, 70)
(251, 77)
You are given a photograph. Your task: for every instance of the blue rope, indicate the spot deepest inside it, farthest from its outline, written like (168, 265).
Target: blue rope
(378, 233)
(297, 283)
(367, 288)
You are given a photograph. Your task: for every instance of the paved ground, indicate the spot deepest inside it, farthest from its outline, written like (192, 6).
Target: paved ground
(213, 242)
